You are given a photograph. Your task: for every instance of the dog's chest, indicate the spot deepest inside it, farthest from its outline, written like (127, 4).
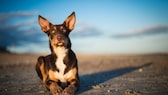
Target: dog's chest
(60, 65)
(61, 53)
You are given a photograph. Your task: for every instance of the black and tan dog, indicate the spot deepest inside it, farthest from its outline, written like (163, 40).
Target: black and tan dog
(59, 70)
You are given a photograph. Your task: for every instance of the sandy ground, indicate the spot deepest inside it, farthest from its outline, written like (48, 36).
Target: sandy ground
(99, 75)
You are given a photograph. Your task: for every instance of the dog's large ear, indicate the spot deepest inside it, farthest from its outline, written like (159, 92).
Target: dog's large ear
(70, 21)
(44, 24)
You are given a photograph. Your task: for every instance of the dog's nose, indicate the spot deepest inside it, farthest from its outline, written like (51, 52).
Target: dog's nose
(59, 38)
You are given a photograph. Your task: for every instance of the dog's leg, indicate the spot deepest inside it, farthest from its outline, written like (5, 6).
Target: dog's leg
(54, 88)
(70, 90)
(41, 70)
(74, 85)
(43, 74)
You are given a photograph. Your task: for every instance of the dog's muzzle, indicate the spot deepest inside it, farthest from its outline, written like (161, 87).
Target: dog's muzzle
(60, 44)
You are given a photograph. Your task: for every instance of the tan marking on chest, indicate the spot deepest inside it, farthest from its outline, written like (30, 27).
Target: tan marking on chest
(54, 75)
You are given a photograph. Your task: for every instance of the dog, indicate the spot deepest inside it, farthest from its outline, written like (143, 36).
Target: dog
(59, 70)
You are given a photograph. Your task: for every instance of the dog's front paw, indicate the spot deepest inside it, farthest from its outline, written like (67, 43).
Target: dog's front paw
(70, 90)
(55, 90)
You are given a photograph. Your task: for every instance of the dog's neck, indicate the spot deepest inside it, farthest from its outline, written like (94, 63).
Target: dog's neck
(60, 52)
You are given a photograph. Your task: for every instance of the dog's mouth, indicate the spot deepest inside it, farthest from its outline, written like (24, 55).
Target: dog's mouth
(60, 44)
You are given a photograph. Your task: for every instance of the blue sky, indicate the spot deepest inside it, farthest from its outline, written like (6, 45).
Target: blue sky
(102, 26)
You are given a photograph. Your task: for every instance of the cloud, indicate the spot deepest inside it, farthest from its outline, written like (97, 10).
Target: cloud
(152, 30)
(7, 17)
(19, 30)
(85, 30)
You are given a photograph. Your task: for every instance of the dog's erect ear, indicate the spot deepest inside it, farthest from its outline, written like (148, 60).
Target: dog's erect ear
(44, 24)
(70, 21)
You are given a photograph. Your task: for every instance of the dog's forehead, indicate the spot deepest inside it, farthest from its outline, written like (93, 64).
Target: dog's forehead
(58, 27)
(54, 27)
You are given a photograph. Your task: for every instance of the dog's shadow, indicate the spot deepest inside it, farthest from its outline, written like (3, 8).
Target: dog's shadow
(87, 81)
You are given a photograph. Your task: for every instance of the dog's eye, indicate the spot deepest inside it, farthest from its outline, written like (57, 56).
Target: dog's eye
(53, 31)
(64, 30)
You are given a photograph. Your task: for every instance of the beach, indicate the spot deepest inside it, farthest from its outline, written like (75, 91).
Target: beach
(145, 74)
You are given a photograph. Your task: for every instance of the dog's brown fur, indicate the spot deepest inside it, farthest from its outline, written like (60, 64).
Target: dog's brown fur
(59, 70)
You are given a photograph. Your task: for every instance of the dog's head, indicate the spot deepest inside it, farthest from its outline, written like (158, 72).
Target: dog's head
(58, 34)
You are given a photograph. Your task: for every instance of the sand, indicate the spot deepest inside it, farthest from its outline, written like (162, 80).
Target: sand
(99, 74)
